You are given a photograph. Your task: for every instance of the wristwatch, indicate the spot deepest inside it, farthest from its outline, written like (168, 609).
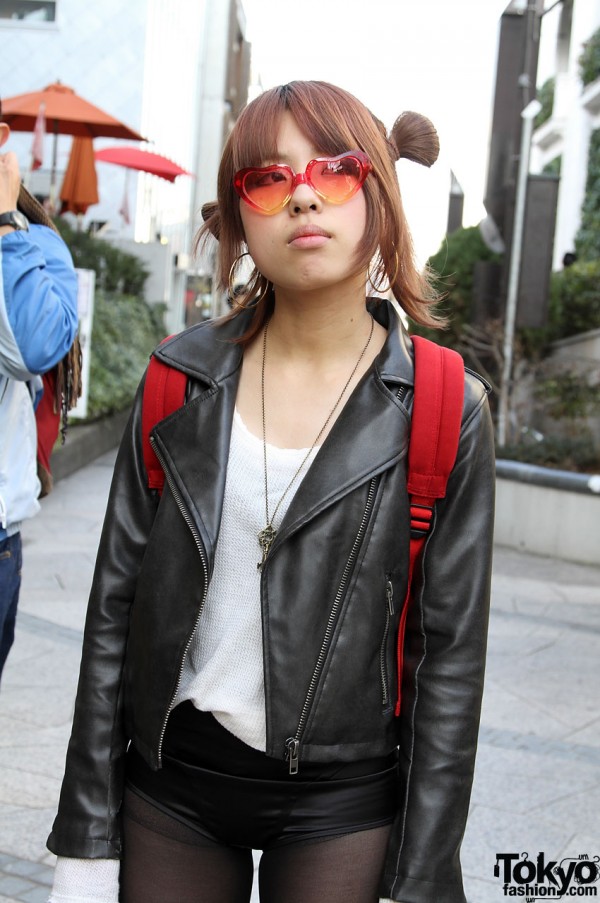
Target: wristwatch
(16, 219)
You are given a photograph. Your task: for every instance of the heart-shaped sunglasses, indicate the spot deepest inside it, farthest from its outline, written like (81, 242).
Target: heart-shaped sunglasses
(268, 189)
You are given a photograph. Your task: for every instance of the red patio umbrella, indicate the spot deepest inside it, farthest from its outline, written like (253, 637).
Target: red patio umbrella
(143, 161)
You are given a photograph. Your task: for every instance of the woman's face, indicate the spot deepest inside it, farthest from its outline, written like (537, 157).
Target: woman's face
(311, 243)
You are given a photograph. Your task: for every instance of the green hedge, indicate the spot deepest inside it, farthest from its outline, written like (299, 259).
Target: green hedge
(574, 304)
(545, 95)
(587, 242)
(116, 270)
(124, 332)
(125, 328)
(575, 299)
(554, 167)
(589, 60)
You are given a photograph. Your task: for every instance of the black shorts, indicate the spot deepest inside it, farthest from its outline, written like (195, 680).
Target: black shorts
(232, 794)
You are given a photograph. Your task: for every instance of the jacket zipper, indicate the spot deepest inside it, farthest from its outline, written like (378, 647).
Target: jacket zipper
(389, 611)
(292, 744)
(196, 536)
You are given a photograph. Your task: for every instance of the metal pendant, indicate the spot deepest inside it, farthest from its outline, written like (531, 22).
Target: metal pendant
(265, 539)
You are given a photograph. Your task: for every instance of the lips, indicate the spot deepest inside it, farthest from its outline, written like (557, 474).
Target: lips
(308, 236)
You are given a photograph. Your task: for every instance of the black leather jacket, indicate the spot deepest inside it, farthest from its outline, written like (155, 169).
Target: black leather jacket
(332, 589)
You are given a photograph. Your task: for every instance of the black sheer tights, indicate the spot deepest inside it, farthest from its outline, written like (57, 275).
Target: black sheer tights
(166, 862)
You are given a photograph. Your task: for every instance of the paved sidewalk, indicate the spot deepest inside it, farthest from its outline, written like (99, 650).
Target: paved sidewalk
(537, 786)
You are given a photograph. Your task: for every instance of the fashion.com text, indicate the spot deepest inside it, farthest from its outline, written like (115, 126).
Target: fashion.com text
(536, 892)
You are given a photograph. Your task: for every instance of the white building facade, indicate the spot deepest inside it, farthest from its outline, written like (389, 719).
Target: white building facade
(566, 28)
(176, 71)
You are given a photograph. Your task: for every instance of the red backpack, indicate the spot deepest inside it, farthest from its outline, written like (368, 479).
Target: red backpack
(434, 434)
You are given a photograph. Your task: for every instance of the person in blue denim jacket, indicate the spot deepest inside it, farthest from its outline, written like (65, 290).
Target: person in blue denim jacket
(38, 325)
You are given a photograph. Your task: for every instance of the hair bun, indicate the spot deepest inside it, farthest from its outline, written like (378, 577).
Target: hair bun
(414, 137)
(210, 215)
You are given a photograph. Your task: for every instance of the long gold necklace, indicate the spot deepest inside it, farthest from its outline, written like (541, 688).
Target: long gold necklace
(268, 533)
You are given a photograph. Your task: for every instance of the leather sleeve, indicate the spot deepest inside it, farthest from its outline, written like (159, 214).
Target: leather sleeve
(87, 825)
(443, 674)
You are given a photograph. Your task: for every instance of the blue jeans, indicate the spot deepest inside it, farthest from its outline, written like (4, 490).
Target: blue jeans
(11, 562)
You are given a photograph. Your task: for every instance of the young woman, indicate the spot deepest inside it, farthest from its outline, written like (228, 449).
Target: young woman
(238, 684)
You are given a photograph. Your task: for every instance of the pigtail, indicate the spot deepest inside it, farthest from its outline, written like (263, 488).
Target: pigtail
(212, 219)
(414, 137)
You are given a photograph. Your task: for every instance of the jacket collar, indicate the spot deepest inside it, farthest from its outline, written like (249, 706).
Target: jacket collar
(209, 352)
(369, 436)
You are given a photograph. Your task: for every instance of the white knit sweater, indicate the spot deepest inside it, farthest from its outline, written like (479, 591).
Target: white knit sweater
(223, 671)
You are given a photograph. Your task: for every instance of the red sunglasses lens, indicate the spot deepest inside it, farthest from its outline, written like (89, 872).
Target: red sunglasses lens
(268, 188)
(337, 179)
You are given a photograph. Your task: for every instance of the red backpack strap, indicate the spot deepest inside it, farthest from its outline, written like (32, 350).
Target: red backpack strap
(164, 392)
(434, 434)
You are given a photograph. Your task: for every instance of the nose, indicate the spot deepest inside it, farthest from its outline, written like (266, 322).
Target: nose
(303, 198)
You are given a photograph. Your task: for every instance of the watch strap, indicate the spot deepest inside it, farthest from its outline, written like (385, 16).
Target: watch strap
(16, 219)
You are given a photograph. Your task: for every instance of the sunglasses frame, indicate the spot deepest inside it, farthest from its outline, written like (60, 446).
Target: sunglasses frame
(301, 178)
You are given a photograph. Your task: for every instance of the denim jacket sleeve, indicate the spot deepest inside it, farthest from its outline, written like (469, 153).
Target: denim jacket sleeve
(38, 302)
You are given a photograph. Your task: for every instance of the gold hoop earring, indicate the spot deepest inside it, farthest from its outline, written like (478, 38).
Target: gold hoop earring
(379, 273)
(232, 269)
(251, 285)
(372, 277)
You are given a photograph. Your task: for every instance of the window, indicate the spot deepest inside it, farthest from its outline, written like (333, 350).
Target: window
(30, 11)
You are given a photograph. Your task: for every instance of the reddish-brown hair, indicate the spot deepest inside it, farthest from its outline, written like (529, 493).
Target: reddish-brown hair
(334, 121)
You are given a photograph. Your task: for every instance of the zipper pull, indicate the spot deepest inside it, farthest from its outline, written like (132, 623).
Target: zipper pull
(389, 592)
(292, 751)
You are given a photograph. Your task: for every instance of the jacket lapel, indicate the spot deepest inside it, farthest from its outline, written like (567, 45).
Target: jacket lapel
(369, 436)
(194, 441)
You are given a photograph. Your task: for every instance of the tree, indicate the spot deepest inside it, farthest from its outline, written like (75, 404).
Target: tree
(453, 271)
